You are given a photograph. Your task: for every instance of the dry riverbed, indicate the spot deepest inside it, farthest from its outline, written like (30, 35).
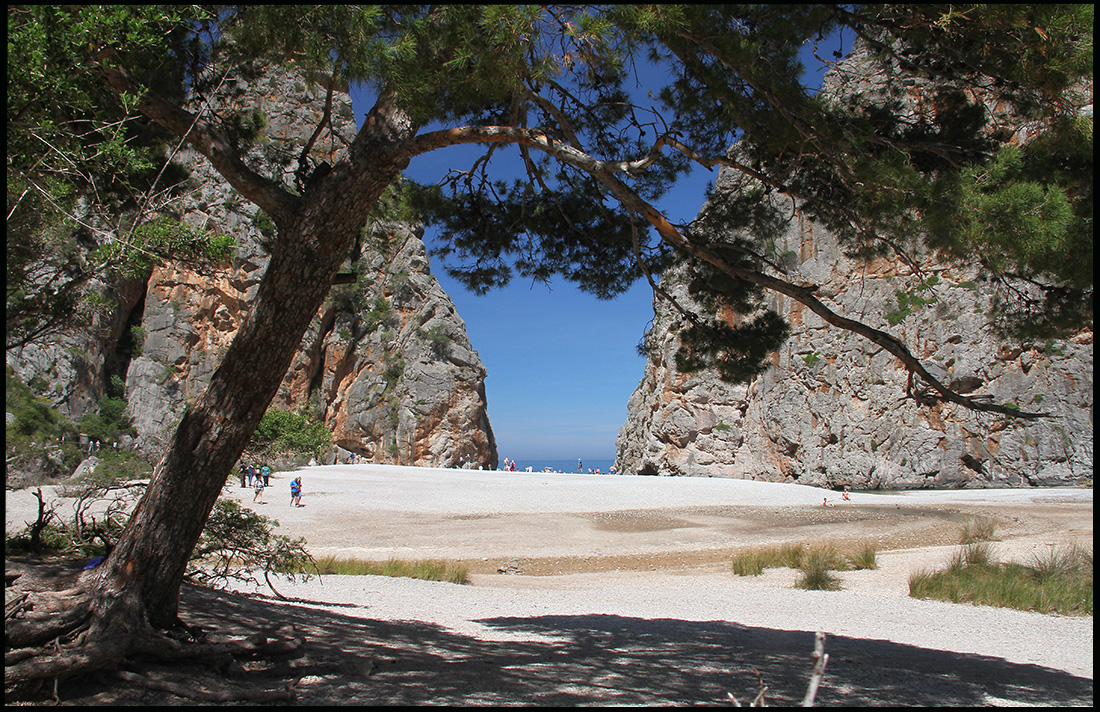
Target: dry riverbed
(612, 590)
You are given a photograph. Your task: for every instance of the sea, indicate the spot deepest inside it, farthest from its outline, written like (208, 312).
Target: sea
(565, 466)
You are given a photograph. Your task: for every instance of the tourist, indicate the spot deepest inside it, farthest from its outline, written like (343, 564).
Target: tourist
(267, 475)
(259, 496)
(296, 492)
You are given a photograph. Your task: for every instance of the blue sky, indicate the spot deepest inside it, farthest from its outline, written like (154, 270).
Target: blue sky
(561, 364)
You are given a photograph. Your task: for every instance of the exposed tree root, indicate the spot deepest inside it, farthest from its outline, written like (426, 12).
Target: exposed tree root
(54, 635)
(190, 692)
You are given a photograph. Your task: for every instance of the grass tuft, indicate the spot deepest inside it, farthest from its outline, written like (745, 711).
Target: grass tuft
(427, 570)
(1058, 582)
(975, 529)
(817, 568)
(797, 555)
(864, 557)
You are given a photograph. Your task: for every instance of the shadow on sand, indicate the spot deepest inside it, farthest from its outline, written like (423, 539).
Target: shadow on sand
(610, 660)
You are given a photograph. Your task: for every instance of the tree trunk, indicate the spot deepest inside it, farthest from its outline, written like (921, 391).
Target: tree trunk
(151, 556)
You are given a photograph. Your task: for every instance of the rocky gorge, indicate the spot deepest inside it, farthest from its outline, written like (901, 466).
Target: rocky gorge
(831, 410)
(389, 368)
(386, 363)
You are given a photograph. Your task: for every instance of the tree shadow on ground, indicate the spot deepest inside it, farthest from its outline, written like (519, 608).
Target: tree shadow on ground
(577, 660)
(606, 659)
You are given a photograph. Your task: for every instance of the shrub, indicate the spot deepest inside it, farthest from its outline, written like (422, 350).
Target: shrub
(100, 511)
(975, 529)
(865, 557)
(286, 431)
(428, 570)
(1058, 582)
(750, 563)
(1065, 563)
(817, 569)
(815, 562)
(972, 555)
(238, 544)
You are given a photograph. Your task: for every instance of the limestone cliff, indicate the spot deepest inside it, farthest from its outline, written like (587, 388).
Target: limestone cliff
(386, 362)
(831, 408)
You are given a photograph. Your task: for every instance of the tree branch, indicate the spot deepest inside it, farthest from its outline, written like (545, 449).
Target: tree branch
(267, 194)
(605, 172)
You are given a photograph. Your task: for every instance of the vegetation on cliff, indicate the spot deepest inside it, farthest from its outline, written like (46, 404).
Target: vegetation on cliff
(550, 82)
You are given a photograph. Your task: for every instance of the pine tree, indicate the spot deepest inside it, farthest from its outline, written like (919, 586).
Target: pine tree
(550, 84)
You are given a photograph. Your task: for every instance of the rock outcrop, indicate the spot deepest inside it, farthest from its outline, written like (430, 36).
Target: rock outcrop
(831, 409)
(386, 363)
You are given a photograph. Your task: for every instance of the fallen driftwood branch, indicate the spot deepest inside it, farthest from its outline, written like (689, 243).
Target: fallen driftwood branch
(190, 692)
(821, 659)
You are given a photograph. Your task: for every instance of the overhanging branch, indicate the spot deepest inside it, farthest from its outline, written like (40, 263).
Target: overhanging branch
(607, 173)
(267, 194)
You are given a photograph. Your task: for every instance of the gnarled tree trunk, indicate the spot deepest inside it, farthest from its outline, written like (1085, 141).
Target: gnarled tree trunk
(136, 590)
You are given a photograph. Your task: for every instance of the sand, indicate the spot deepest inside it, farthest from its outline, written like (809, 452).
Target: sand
(617, 590)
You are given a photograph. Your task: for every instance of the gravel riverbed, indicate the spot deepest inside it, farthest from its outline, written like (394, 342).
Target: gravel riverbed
(601, 590)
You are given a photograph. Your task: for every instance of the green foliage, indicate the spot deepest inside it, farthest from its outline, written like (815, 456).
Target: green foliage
(438, 338)
(1059, 582)
(427, 570)
(737, 353)
(286, 431)
(39, 433)
(908, 301)
(977, 529)
(35, 416)
(950, 177)
(380, 315)
(239, 544)
(100, 509)
(816, 562)
(817, 569)
(109, 423)
(86, 172)
(40, 429)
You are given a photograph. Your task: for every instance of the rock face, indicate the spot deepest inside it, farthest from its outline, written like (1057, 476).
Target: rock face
(831, 408)
(386, 363)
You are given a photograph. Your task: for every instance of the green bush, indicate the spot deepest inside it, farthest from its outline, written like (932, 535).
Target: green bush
(811, 560)
(975, 529)
(239, 544)
(865, 557)
(1059, 582)
(100, 512)
(40, 439)
(817, 568)
(34, 415)
(110, 423)
(285, 431)
(427, 570)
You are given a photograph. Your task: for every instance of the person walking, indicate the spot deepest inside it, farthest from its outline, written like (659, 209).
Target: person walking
(259, 485)
(296, 492)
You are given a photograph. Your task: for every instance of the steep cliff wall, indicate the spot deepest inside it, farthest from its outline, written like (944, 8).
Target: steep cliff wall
(386, 362)
(831, 408)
